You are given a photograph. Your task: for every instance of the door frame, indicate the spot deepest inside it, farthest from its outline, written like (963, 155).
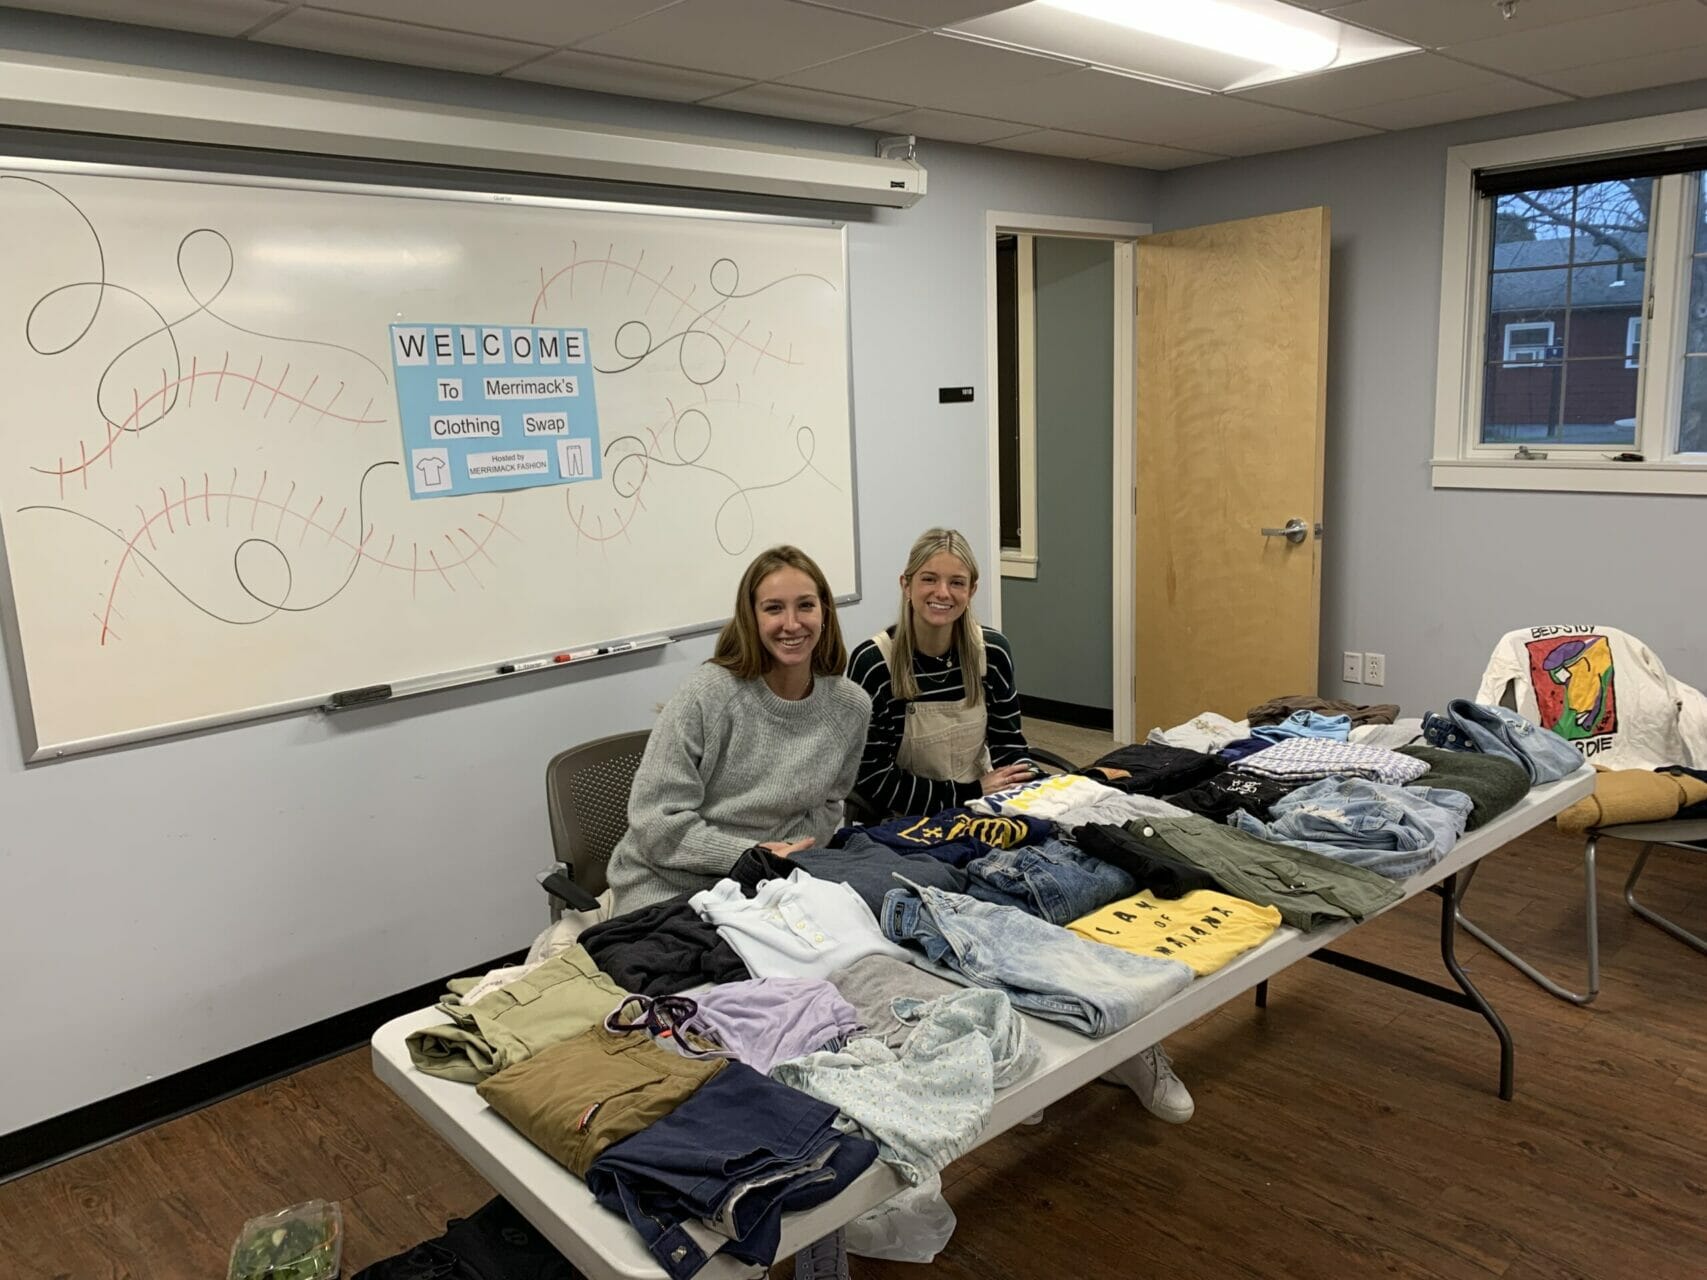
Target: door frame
(1124, 237)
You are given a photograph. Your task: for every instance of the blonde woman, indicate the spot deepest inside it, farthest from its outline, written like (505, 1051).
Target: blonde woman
(945, 720)
(759, 746)
(938, 738)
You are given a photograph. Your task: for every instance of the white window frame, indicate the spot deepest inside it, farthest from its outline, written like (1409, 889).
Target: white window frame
(1633, 343)
(1021, 562)
(1518, 361)
(1461, 460)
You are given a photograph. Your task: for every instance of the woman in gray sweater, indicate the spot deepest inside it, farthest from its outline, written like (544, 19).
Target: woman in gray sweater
(759, 746)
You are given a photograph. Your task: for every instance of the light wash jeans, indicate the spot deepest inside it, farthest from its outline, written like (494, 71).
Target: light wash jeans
(1396, 831)
(1054, 881)
(1501, 731)
(1092, 988)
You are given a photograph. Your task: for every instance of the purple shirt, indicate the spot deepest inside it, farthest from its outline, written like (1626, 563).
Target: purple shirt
(764, 1021)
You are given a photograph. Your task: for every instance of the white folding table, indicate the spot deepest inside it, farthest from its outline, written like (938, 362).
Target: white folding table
(603, 1245)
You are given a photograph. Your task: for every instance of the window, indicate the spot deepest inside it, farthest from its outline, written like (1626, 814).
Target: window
(1574, 311)
(1527, 343)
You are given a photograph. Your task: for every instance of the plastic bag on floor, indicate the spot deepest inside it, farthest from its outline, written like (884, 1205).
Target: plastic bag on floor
(911, 1226)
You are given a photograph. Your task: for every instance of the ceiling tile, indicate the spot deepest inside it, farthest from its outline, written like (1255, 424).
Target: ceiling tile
(1298, 131)
(1621, 74)
(1055, 142)
(1138, 111)
(576, 70)
(918, 13)
(1651, 29)
(946, 126)
(931, 71)
(803, 104)
(1076, 99)
(1442, 22)
(1144, 155)
(212, 17)
(755, 39)
(1458, 104)
(550, 22)
(395, 42)
(1411, 76)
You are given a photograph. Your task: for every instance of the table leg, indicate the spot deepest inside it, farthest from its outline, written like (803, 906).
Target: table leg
(1476, 1000)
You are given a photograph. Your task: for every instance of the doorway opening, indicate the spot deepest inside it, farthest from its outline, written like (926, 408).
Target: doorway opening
(1062, 356)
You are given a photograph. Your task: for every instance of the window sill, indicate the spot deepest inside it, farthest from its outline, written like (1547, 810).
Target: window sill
(1571, 476)
(1015, 565)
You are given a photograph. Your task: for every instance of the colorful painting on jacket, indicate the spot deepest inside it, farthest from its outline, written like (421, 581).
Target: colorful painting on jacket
(1573, 682)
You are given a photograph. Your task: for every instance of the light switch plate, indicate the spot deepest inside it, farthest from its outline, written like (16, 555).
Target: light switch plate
(1351, 670)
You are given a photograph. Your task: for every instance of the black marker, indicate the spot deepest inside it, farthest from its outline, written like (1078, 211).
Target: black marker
(355, 697)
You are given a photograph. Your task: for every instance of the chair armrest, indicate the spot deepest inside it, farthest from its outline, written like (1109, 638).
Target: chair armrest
(559, 884)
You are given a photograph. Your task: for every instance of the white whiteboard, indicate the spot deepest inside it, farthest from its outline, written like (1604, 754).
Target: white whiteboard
(204, 511)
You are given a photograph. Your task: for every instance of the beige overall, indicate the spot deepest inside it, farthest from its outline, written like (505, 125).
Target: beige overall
(943, 741)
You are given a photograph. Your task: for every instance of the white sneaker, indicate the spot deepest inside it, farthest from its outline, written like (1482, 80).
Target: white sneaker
(1151, 1076)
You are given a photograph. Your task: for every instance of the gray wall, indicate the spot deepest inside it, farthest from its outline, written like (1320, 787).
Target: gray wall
(1432, 578)
(167, 904)
(1059, 621)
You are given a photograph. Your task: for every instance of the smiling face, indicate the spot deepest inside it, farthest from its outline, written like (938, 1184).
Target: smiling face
(939, 591)
(790, 616)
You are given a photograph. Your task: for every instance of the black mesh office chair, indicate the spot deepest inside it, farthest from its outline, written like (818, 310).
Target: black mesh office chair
(586, 797)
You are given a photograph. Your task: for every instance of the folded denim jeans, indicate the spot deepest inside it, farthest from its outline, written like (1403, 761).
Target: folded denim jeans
(1045, 970)
(1394, 831)
(1053, 881)
(1502, 732)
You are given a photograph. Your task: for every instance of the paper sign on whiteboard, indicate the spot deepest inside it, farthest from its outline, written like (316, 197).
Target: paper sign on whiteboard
(488, 407)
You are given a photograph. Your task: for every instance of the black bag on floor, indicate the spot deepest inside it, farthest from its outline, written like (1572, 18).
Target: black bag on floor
(493, 1243)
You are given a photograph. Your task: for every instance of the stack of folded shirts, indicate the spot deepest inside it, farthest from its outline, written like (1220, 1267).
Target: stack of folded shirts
(1302, 760)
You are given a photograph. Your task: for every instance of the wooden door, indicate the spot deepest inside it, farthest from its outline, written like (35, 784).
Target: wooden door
(1232, 362)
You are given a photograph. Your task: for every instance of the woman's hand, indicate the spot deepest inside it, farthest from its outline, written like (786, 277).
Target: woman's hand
(788, 848)
(1009, 775)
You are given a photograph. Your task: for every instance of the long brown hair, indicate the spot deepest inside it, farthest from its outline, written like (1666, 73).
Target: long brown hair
(968, 640)
(739, 649)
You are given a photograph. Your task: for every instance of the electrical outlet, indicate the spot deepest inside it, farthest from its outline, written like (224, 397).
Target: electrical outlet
(1351, 669)
(1374, 668)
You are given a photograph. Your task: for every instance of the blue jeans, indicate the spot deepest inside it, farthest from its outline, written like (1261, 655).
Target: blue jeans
(1092, 988)
(1502, 732)
(1053, 881)
(1396, 831)
(740, 1154)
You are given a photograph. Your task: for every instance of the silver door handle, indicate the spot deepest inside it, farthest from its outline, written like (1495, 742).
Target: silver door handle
(1294, 531)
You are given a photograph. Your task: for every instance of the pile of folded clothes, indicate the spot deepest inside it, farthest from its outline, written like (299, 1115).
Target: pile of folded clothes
(709, 1063)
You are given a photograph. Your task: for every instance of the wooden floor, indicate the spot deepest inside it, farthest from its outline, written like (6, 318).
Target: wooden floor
(1348, 1131)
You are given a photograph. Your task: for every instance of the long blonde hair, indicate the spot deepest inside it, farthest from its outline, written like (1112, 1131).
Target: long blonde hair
(968, 639)
(739, 649)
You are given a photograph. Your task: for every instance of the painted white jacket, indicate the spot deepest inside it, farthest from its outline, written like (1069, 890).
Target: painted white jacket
(1604, 691)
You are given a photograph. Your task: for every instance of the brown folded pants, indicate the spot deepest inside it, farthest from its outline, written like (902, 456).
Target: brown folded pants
(577, 1098)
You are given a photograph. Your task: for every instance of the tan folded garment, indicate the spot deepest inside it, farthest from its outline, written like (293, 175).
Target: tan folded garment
(1631, 795)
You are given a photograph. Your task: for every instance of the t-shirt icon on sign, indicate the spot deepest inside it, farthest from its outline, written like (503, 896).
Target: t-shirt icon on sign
(575, 458)
(429, 469)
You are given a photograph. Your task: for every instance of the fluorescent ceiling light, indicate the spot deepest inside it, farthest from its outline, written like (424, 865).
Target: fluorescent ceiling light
(1214, 24)
(1217, 45)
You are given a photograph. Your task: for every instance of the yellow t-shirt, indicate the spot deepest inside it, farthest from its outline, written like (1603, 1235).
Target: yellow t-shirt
(1204, 929)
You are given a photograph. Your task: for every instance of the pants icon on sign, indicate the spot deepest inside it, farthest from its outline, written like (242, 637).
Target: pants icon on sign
(429, 469)
(575, 458)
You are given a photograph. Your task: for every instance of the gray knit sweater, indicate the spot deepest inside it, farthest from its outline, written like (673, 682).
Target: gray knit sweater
(729, 765)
